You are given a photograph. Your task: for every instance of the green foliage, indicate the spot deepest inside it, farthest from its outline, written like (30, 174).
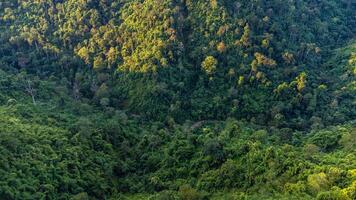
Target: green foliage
(188, 193)
(147, 45)
(209, 65)
(169, 41)
(46, 161)
(318, 182)
(326, 140)
(171, 99)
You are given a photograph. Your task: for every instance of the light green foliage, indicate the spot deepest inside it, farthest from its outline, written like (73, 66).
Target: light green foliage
(147, 31)
(209, 65)
(301, 81)
(318, 182)
(177, 99)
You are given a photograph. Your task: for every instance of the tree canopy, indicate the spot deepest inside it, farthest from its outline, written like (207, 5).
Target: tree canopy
(177, 99)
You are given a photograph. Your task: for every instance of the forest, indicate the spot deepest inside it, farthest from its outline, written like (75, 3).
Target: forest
(177, 99)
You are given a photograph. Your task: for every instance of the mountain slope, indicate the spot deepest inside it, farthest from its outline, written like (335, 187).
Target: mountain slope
(177, 99)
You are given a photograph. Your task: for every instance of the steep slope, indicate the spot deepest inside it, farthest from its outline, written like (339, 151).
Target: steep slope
(162, 50)
(40, 159)
(177, 99)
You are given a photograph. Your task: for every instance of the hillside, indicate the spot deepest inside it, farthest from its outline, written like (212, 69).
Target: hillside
(177, 99)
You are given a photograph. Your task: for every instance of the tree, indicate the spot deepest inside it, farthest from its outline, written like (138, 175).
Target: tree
(263, 60)
(245, 38)
(84, 54)
(288, 57)
(326, 140)
(99, 63)
(209, 65)
(318, 182)
(188, 193)
(30, 90)
(301, 81)
(221, 47)
(352, 63)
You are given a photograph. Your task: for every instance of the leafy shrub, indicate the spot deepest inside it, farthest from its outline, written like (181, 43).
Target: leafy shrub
(318, 182)
(332, 195)
(326, 140)
(228, 176)
(188, 193)
(295, 188)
